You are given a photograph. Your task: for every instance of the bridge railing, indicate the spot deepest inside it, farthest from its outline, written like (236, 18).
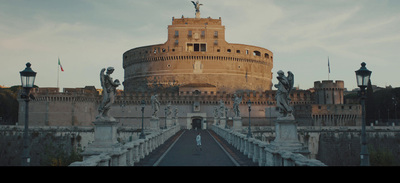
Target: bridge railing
(257, 150)
(131, 152)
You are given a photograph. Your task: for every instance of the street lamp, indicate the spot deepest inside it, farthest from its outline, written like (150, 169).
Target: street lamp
(27, 82)
(165, 124)
(395, 110)
(363, 75)
(142, 104)
(249, 135)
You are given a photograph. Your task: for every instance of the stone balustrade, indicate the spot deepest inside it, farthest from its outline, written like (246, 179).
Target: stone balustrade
(258, 150)
(131, 152)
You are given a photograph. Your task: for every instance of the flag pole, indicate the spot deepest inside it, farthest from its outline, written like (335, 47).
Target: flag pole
(58, 74)
(329, 68)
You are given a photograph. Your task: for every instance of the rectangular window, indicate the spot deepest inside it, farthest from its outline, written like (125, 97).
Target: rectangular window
(203, 34)
(190, 47)
(215, 34)
(176, 33)
(190, 33)
(196, 47)
(203, 47)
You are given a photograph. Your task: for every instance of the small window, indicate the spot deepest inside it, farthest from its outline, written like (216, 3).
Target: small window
(176, 42)
(203, 34)
(176, 33)
(266, 55)
(215, 34)
(256, 53)
(216, 42)
(228, 50)
(237, 51)
(203, 47)
(247, 52)
(196, 47)
(190, 33)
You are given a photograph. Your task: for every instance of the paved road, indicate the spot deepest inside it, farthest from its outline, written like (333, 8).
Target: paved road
(184, 152)
(179, 150)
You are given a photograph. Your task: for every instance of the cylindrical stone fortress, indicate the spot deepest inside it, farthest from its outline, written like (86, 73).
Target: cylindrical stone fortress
(196, 52)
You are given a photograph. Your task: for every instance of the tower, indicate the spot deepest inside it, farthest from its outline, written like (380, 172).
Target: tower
(196, 52)
(329, 92)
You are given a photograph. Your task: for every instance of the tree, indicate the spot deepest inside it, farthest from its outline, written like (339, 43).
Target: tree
(369, 105)
(8, 106)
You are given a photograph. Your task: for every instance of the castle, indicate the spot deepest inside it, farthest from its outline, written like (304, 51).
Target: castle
(196, 52)
(193, 71)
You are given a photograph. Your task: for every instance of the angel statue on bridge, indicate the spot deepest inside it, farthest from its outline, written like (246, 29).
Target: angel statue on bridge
(109, 90)
(236, 102)
(282, 96)
(155, 105)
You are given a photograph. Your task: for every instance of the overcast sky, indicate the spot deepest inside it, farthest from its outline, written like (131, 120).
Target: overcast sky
(88, 35)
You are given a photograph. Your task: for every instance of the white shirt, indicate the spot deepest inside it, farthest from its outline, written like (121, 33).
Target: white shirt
(198, 140)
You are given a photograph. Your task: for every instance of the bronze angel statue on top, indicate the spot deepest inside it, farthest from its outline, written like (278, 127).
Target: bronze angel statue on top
(282, 96)
(197, 5)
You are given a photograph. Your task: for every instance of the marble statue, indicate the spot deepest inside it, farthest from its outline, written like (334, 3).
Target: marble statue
(155, 105)
(221, 108)
(109, 90)
(282, 96)
(168, 110)
(236, 102)
(215, 112)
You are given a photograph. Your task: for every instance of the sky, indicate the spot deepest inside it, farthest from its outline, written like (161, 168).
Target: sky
(88, 35)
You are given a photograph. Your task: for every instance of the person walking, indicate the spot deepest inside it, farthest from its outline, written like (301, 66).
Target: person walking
(198, 140)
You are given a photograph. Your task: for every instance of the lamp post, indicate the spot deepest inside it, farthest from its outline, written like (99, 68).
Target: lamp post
(142, 104)
(165, 123)
(27, 82)
(249, 135)
(395, 110)
(363, 75)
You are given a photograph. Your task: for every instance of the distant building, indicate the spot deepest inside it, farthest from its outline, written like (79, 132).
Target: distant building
(329, 108)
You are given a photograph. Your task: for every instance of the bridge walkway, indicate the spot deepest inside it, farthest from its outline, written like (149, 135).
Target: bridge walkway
(180, 150)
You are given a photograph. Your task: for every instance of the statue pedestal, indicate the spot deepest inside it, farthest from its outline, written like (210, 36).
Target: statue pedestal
(286, 138)
(154, 124)
(105, 138)
(237, 123)
(222, 122)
